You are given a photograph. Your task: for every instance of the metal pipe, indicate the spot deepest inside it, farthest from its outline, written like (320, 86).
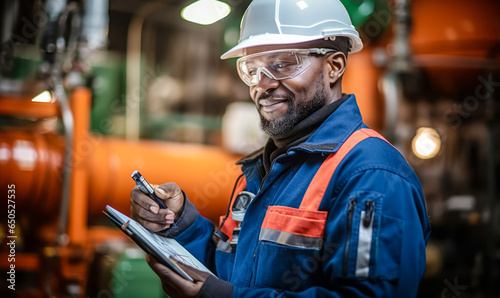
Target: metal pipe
(400, 63)
(64, 49)
(401, 45)
(67, 119)
(67, 115)
(392, 92)
(133, 71)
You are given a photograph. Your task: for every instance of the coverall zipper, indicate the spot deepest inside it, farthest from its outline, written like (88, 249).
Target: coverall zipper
(350, 211)
(369, 209)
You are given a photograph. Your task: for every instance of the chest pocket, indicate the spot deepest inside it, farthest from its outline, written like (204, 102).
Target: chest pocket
(294, 227)
(290, 253)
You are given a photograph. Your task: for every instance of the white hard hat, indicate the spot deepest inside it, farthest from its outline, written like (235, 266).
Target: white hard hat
(268, 22)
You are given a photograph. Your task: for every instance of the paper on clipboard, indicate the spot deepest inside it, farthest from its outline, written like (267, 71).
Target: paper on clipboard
(163, 248)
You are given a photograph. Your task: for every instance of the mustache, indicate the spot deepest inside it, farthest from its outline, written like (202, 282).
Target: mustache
(267, 95)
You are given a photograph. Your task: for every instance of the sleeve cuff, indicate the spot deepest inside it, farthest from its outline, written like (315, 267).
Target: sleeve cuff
(186, 219)
(215, 288)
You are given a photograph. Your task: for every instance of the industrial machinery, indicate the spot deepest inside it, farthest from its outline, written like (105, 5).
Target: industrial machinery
(58, 174)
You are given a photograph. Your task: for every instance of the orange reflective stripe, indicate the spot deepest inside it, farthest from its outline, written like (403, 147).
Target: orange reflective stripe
(228, 226)
(230, 223)
(317, 188)
(291, 220)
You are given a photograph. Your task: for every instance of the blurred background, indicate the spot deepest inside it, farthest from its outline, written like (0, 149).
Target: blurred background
(92, 90)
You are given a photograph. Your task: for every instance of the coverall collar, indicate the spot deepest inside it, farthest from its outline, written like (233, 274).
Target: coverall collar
(335, 129)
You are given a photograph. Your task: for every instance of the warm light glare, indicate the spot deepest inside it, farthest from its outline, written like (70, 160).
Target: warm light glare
(426, 143)
(45, 96)
(205, 12)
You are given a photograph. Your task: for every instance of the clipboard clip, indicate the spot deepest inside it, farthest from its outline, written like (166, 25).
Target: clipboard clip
(125, 226)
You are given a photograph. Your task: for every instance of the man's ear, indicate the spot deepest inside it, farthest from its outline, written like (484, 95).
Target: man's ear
(335, 66)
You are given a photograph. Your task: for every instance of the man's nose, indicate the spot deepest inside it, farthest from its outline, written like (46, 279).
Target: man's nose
(265, 80)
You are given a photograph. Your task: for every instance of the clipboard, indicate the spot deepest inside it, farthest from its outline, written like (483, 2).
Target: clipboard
(166, 250)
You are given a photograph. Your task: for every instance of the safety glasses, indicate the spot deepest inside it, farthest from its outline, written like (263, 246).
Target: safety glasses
(277, 65)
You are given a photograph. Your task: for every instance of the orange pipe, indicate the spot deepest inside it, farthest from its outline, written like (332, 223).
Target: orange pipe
(22, 106)
(77, 220)
(361, 78)
(34, 163)
(24, 262)
(205, 173)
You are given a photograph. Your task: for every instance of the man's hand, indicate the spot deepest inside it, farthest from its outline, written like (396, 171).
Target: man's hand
(175, 285)
(146, 212)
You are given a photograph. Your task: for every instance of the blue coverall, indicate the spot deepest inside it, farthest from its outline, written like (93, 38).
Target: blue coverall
(375, 227)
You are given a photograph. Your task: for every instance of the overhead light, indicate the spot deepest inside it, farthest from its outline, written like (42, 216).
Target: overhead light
(45, 96)
(426, 143)
(205, 12)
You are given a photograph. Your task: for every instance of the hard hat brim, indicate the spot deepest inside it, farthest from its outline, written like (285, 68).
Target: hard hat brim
(280, 39)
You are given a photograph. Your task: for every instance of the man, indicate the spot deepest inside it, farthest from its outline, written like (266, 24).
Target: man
(327, 207)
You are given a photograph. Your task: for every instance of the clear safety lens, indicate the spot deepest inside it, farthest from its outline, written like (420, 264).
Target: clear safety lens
(278, 65)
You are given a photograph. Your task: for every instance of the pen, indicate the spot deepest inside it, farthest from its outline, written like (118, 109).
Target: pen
(147, 189)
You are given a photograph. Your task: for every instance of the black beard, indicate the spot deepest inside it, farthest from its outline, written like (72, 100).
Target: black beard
(295, 114)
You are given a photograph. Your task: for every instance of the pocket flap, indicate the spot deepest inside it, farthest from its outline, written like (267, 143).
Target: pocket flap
(294, 227)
